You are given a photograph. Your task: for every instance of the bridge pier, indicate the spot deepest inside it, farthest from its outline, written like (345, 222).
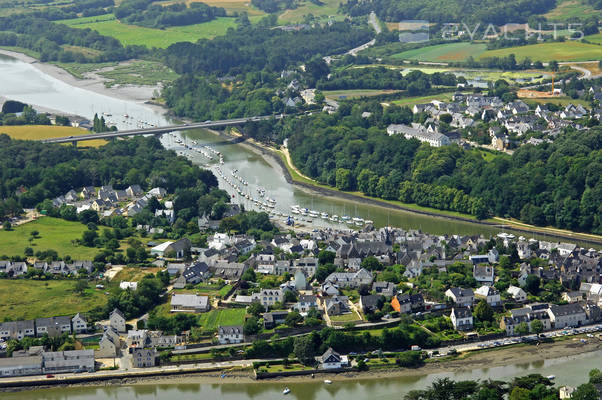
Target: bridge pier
(74, 143)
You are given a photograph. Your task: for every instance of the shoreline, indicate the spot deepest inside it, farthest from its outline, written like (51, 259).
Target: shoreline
(132, 93)
(555, 352)
(143, 95)
(273, 159)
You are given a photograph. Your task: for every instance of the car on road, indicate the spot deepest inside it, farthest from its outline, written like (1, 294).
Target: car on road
(49, 376)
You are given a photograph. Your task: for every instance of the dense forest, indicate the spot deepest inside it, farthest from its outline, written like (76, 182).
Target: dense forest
(473, 11)
(17, 113)
(557, 184)
(260, 46)
(47, 38)
(31, 172)
(203, 98)
(147, 13)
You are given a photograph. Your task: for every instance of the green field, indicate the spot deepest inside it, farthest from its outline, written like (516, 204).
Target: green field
(571, 9)
(354, 93)
(329, 8)
(411, 101)
(139, 73)
(236, 6)
(595, 38)
(37, 132)
(54, 233)
(222, 317)
(162, 38)
(561, 51)
(26, 299)
(443, 52)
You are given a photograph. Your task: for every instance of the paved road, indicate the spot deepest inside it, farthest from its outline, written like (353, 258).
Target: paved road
(160, 130)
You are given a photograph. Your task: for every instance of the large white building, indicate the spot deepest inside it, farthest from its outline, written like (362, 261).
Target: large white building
(417, 131)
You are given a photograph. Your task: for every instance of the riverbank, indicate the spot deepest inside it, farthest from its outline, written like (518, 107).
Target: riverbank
(284, 166)
(521, 355)
(93, 82)
(293, 176)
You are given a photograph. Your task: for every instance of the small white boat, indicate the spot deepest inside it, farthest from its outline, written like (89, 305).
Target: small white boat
(551, 377)
(286, 391)
(327, 381)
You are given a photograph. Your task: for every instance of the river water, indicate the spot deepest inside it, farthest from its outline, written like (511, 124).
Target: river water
(571, 371)
(22, 81)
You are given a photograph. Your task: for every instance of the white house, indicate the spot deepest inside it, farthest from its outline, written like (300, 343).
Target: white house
(489, 294)
(426, 135)
(80, 325)
(189, 303)
(333, 360)
(109, 344)
(461, 318)
(518, 294)
(567, 315)
(230, 334)
(128, 285)
(483, 274)
(305, 303)
(268, 297)
(460, 296)
(117, 320)
(219, 241)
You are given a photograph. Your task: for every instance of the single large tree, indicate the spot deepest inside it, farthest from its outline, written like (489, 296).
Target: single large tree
(483, 311)
(305, 349)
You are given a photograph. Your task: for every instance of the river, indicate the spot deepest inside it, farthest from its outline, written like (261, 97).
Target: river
(571, 371)
(22, 81)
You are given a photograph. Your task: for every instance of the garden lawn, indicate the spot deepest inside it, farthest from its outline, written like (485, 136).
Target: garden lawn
(443, 52)
(222, 317)
(133, 274)
(291, 367)
(559, 51)
(26, 299)
(151, 37)
(349, 317)
(54, 233)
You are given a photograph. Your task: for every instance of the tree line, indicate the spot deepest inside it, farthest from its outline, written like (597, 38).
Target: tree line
(260, 46)
(48, 38)
(555, 183)
(384, 78)
(147, 13)
(484, 11)
(31, 172)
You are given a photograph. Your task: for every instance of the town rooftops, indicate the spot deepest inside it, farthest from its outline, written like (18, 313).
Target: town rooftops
(566, 309)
